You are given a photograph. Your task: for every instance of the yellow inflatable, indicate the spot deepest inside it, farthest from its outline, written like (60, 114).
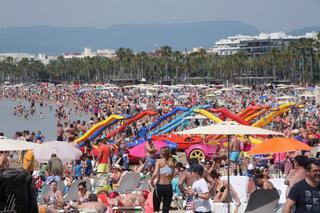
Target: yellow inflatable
(97, 126)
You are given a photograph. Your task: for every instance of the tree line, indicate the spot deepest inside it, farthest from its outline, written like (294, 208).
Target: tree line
(299, 63)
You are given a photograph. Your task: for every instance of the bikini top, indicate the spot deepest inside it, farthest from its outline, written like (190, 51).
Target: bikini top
(166, 170)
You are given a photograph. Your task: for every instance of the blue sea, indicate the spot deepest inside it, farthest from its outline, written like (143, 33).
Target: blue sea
(10, 123)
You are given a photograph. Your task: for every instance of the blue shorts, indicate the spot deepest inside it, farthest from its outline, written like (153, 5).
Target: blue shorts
(234, 156)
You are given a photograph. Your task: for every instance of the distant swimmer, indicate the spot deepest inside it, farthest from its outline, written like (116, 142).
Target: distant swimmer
(41, 115)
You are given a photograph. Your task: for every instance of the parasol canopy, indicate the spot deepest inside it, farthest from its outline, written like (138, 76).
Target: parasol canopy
(16, 145)
(279, 145)
(64, 150)
(228, 128)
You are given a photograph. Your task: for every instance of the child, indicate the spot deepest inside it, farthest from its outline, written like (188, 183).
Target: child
(77, 170)
(88, 166)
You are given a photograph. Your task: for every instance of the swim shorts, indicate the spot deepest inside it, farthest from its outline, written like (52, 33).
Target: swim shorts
(103, 168)
(234, 156)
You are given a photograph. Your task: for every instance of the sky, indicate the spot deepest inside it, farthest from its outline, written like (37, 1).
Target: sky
(266, 15)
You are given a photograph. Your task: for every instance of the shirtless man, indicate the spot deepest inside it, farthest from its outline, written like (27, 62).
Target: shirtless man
(186, 178)
(60, 132)
(4, 162)
(235, 154)
(150, 151)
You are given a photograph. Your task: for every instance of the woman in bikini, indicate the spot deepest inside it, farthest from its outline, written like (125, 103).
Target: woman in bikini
(221, 190)
(164, 172)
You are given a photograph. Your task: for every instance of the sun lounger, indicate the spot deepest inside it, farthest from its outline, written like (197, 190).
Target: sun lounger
(262, 201)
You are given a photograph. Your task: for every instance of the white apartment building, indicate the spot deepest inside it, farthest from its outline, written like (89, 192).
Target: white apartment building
(17, 57)
(256, 45)
(87, 52)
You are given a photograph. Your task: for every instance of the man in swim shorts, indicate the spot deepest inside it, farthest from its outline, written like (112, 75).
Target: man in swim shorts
(235, 154)
(103, 158)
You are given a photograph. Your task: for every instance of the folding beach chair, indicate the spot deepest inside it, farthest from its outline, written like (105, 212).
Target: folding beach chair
(144, 184)
(73, 192)
(46, 190)
(128, 182)
(99, 182)
(262, 201)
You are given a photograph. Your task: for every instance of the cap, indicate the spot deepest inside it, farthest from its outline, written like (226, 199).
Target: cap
(197, 168)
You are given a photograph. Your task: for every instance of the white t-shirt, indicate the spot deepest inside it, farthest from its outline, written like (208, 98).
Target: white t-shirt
(201, 205)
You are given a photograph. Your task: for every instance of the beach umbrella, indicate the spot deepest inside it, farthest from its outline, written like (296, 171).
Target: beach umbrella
(64, 150)
(16, 145)
(138, 151)
(229, 129)
(279, 145)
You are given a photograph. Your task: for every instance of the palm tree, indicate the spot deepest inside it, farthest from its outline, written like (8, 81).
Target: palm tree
(178, 63)
(165, 54)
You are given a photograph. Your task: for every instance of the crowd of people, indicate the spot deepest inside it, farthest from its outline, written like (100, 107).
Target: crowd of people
(197, 182)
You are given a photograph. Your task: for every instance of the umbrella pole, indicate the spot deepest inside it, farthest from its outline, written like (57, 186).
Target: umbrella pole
(279, 170)
(228, 173)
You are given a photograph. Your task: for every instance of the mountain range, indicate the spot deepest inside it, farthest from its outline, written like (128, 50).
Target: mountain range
(140, 37)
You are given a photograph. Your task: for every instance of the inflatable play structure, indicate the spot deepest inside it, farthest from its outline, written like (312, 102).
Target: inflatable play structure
(98, 128)
(130, 121)
(167, 115)
(257, 116)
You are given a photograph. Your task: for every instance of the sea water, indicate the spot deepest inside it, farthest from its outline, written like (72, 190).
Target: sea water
(47, 123)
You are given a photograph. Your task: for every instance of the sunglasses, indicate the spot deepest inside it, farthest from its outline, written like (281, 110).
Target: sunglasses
(80, 189)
